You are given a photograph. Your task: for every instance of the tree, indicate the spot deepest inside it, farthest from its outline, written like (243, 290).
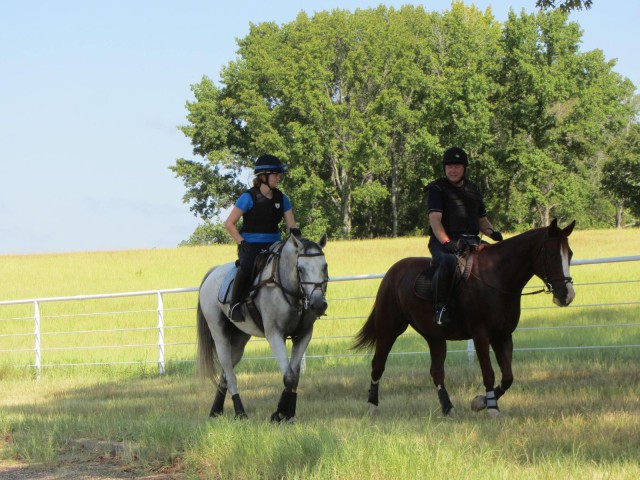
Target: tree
(208, 233)
(557, 111)
(621, 175)
(360, 106)
(565, 6)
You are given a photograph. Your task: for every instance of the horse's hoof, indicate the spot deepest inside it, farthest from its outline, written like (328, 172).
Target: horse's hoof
(242, 416)
(276, 417)
(494, 412)
(373, 410)
(215, 414)
(451, 413)
(291, 420)
(479, 403)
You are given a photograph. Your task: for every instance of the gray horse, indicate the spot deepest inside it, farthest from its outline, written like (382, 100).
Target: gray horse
(289, 295)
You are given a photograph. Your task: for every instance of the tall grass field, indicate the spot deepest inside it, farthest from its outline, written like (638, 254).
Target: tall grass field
(100, 405)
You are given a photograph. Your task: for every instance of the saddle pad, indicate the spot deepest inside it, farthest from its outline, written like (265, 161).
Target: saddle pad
(225, 286)
(422, 284)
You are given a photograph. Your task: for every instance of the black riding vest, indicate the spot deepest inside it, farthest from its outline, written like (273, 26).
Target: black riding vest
(266, 213)
(461, 207)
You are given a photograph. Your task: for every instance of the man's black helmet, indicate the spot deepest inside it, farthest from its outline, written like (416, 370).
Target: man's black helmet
(268, 164)
(455, 155)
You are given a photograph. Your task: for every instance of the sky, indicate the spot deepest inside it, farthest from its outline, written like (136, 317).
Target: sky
(92, 93)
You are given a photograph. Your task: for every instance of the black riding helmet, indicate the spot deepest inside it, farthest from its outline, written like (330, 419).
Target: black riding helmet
(455, 155)
(268, 164)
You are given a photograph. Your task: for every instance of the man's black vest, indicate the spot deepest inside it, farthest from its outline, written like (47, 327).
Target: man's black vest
(266, 213)
(461, 208)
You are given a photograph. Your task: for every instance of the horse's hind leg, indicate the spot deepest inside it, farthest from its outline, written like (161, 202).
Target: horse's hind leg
(229, 354)
(221, 392)
(384, 343)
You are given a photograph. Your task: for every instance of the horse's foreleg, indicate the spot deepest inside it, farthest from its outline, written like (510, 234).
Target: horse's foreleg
(503, 349)
(288, 400)
(481, 343)
(289, 376)
(438, 351)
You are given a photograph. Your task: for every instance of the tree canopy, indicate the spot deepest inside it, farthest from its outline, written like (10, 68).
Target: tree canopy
(566, 5)
(360, 106)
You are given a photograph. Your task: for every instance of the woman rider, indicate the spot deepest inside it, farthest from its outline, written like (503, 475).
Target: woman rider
(262, 207)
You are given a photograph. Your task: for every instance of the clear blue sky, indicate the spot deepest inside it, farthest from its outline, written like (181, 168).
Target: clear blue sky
(91, 93)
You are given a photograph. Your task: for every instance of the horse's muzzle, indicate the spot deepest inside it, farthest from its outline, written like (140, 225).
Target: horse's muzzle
(318, 305)
(563, 296)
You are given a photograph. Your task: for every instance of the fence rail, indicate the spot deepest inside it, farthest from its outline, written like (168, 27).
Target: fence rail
(160, 326)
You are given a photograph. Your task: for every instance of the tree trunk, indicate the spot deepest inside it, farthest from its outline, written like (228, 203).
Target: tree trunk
(619, 213)
(394, 196)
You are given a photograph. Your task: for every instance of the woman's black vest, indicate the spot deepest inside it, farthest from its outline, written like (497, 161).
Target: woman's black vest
(461, 208)
(266, 213)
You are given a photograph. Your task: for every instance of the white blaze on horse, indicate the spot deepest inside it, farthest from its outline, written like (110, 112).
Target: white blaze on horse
(289, 295)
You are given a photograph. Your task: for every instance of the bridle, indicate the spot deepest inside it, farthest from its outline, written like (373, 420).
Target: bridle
(300, 294)
(547, 279)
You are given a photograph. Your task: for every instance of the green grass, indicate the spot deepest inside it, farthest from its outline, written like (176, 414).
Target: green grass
(570, 413)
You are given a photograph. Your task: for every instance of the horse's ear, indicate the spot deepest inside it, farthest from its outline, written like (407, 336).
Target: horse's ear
(296, 243)
(568, 229)
(323, 240)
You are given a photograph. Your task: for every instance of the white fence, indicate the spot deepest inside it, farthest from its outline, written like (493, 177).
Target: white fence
(161, 310)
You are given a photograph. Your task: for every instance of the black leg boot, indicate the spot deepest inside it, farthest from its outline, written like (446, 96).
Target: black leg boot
(240, 285)
(442, 288)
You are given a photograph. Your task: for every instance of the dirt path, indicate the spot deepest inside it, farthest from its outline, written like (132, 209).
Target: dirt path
(83, 471)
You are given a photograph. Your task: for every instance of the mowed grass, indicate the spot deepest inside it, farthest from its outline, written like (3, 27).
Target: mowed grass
(571, 412)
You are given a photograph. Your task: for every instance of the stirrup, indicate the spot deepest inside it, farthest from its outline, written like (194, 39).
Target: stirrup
(441, 317)
(235, 313)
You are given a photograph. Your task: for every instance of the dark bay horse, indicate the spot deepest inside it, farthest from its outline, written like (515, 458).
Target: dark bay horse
(486, 308)
(289, 293)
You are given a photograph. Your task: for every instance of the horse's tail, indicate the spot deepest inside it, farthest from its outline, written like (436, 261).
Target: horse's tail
(366, 337)
(206, 349)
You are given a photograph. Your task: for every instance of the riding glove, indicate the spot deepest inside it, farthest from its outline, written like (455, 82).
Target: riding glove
(296, 232)
(495, 236)
(450, 247)
(243, 247)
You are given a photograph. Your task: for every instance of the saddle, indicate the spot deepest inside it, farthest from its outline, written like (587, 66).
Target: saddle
(226, 286)
(422, 284)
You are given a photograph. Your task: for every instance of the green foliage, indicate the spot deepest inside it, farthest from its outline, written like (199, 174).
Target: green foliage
(208, 233)
(565, 5)
(360, 106)
(621, 175)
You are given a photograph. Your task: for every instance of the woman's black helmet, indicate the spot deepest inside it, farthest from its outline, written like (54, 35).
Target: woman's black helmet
(455, 155)
(268, 164)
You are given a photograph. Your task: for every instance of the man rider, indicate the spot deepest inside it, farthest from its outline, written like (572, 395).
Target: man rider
(456, 210)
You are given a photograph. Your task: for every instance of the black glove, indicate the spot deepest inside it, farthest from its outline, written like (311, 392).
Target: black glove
(295, 232)
(451, 247)
(243, 247)
(495, 236)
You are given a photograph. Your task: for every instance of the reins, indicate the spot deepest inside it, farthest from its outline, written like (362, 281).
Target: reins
(274, 278)
(547, 280)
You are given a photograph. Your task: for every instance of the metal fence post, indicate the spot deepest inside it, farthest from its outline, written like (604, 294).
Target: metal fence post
(160, 334)
(471, 351)
(36, 333)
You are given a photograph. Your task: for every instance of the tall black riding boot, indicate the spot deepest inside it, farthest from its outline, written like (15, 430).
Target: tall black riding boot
(240, 285)
(442, 280)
